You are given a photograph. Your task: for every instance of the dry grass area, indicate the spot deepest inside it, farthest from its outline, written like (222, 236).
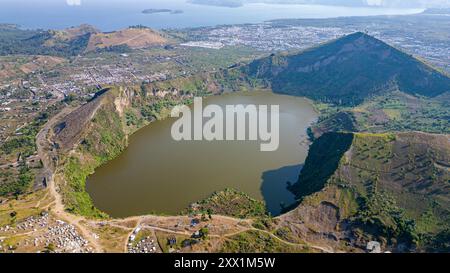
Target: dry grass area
(69, 34)
(218, 225)
(186, 244)
(29, 224)
(74, 32)
(41, 62)
(132, 37)
(8, 70)
(371, 191)
(69, 130)
(163, 241)
(111, 237)
(24, 206)
(11, 68)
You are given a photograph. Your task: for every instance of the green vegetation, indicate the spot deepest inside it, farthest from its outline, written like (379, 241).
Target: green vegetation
(142, 235)
(347, 71)
(18, 180)
(154, 110)
(20, 184)
(115, 49)
(439, 243)
(164, 239)
(206, 60)
(204, 231)
(105, 142)
(400, 112)
(131, 119)
(378, 215)
(70, 98)
(359, 84)
(315, 174)
(386, 188)
(264, 222)
(76, 199)
(105, 137)
(258, 242)
(25, 142)
(343, 121)
(50, 248)
(33, 42)
(383, 162)
(232, 203)
(391, 112)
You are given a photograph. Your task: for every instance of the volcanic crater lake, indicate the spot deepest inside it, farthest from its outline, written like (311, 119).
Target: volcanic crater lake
(156, 174)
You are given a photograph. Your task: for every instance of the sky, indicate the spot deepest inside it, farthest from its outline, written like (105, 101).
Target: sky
(383, 3)
(73, 2)
(409, 3)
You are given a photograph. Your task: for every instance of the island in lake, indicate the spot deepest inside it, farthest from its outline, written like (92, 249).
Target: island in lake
(152, 11)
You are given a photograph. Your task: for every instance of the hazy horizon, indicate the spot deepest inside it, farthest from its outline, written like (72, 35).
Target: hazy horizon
(371, 3)
(235, 3)
(109, 15)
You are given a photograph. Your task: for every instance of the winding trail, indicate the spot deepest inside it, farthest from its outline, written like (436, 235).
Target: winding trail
(49, 169)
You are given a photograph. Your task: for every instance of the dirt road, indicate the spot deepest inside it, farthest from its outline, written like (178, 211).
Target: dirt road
(49, 157)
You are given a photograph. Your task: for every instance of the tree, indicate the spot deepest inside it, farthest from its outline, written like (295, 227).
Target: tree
(50, 248)
(69, 98)
(204, 219)
(204, 233)
(209, 211)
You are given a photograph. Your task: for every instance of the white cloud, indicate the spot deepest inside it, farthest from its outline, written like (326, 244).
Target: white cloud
(375, 2)
(73, 2)
(411, 3)
(381, 3)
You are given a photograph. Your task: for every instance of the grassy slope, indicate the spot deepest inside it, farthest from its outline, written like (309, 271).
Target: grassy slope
(329, 148)
(390, 188)
(391, 112)
(232, 203)
(34, 42)
(258, 242)
(19, 180)
(105, 140)
(74, 41)
(348, 70)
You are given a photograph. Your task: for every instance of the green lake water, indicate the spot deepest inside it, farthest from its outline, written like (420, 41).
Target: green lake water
(157, 174)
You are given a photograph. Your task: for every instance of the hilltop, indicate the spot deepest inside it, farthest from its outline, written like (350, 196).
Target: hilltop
(74, 32)
(61, 43)
(347, 71)
(75, 40)
(131, 37)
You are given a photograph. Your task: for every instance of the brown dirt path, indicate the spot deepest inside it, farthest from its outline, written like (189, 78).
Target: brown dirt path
(47, 155)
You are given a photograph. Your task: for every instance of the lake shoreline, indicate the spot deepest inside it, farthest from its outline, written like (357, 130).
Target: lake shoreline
(207, 194)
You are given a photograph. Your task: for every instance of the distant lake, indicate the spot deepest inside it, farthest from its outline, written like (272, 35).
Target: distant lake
(157, 174)
(110, 15)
